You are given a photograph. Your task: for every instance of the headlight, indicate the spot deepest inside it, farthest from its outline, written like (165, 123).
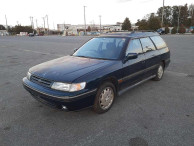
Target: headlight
(28, 75)
(68, 87)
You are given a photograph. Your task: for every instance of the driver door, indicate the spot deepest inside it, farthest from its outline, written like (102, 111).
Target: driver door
(133, 69)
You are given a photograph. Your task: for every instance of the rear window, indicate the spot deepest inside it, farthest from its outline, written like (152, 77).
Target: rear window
(147, 44)
(159, 42)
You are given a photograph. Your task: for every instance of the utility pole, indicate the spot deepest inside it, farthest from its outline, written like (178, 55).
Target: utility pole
(32, 23)
(53, 25)
(100, 22)
(47, 23)
(179, 18)
(38, 30)
(36, 23)
(44, 23)
(6, 22)
(85, 20)
(163, 14)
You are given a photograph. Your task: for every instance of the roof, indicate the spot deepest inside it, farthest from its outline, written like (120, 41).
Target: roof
(134, 34)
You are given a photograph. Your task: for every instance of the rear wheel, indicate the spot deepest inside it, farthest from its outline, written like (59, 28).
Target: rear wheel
(104, 97)
(159, 73)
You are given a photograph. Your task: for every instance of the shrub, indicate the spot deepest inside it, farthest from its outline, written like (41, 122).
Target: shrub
(182, 29)
(166, 30)
(174, 30)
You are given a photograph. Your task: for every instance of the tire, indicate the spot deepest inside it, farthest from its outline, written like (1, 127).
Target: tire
(104, 98)
(159, 73)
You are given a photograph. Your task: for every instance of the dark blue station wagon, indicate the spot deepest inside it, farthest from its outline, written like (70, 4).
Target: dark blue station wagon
(100, 70)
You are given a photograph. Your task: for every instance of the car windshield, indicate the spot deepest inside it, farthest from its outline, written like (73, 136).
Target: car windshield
(102, 48)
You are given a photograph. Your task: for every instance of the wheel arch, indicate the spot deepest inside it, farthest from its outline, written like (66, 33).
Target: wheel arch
(164, 63)
(112, 79)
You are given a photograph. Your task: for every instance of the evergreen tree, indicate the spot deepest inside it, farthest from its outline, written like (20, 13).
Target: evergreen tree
(126, 24)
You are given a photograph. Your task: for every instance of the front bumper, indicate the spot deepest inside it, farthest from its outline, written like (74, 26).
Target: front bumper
(59, 99)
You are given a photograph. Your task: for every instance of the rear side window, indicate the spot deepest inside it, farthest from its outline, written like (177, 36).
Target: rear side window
(147, 44)
(134, 47)
(159, 42)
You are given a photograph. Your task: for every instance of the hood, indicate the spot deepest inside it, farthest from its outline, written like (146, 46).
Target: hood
(68, 68)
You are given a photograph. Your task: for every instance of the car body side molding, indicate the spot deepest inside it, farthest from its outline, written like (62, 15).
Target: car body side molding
(138, 83)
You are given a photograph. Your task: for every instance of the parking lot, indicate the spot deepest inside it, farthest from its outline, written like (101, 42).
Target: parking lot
(154, 113)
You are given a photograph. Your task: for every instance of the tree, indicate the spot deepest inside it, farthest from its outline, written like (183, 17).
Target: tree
(154, 22)
(126, 24)
(2, 27)
(184, 14)
(89, 29)
(143, 24)
(18, 28)
(167, 15)
(175, 13)
(191, 12)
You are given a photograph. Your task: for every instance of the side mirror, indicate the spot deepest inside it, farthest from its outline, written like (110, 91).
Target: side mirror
(131, 56)
(75, 49)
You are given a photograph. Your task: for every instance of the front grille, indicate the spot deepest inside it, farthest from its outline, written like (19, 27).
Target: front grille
(40, 81)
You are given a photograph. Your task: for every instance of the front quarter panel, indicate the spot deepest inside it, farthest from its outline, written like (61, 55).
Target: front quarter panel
(96, 77)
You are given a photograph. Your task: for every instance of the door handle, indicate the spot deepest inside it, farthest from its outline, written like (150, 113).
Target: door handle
(143, 61)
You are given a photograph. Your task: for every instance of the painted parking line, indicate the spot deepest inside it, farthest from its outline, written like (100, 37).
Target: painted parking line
(177, 73)
(38, 52)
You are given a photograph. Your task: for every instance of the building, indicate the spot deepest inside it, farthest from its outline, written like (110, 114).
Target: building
(116, 27)
(3, 33)
(62, 27)
(79, 29)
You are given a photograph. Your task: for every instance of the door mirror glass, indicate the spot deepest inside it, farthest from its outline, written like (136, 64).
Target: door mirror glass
(131, 56)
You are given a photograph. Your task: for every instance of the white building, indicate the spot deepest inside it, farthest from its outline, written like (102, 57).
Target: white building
(112, 27)
(79, 29)
(62, 27)
(3, 33)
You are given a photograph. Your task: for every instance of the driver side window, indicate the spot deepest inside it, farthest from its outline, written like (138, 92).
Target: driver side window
(134, 47)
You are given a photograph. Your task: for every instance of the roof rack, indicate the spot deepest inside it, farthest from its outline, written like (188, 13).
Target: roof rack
(139, 33)
(143, 31)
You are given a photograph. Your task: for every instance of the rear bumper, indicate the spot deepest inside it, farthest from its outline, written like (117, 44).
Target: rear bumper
(58, 99)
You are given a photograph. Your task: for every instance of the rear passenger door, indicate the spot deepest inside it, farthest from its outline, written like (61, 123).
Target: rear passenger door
(133, 69)
(152, 56)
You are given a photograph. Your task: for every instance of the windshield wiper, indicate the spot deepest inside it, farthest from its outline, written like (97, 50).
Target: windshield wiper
(94, 57)
(82, 56)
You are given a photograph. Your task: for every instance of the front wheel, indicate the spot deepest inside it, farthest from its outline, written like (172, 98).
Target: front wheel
(104, 98)
(159, 73)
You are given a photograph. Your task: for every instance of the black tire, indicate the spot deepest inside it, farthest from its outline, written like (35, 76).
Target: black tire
(159, 76)
(106, 86)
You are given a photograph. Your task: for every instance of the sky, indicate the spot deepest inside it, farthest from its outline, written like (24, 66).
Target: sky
(72, 11)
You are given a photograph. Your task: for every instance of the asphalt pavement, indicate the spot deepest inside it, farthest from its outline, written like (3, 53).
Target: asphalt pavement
(154, 113)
